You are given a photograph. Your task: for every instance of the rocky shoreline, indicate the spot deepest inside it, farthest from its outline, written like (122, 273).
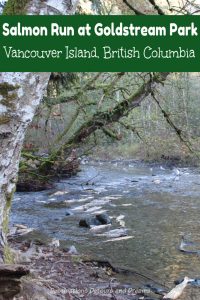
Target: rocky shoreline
(53, 273)
(45, 270)
(97, 210)
(50, 272)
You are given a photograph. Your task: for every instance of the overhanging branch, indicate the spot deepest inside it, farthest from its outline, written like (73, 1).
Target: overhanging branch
(102, 119)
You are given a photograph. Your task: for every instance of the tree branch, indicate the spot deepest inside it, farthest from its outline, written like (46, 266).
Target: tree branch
(137, 12)
(111, 133)
(156, 7)
(101, 119)
(177, 130)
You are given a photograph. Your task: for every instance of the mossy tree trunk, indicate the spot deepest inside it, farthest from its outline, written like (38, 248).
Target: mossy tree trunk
(20, 94)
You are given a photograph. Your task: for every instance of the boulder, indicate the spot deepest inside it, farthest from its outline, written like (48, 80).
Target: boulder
(101, 219)
(104, 219)
(89, 222)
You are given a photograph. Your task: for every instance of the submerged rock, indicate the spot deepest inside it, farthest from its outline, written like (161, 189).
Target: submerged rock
(68, 213)
(99, 228)
(59, 193)
(122, 238)
(56, 204)
(189, 247)
(115, 233)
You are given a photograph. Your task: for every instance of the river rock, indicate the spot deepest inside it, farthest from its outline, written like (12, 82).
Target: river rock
(54, 243)
(196, 282)
(89, 222)
(101, 219)
(68, 213)
(104, 219)
(72, 250)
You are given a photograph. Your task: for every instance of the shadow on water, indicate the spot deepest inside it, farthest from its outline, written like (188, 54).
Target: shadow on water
(157, 206)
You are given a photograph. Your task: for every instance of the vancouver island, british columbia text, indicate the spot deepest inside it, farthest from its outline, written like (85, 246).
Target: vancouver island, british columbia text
(105, 52)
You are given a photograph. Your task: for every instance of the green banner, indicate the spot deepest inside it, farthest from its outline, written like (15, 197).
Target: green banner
(99, 43)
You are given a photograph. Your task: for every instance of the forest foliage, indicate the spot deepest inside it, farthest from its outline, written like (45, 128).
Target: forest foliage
(165, 125)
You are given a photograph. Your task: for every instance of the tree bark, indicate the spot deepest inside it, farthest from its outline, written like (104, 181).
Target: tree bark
(20, 94)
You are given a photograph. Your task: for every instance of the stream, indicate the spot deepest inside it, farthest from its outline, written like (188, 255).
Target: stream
(157, 205)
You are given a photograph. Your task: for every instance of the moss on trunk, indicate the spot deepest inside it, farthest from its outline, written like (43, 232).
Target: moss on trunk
(8, 91)
(7, 253)
(4, 119)
(15, 7)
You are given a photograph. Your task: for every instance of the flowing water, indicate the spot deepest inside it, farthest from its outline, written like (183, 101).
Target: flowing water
(159, 205)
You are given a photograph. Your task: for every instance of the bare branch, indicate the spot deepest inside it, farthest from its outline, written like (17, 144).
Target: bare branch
(177, 130)
(137, 12)
(156, 7)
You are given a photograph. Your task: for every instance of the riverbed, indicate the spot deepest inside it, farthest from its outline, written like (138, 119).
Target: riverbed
(158, 205)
